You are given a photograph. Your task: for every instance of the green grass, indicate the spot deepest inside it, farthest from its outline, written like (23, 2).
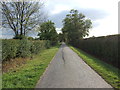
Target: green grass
(108, 72)
(27, 75)
(0, 79)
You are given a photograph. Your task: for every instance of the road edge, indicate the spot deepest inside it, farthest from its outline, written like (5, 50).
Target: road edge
(94, 70)
(42, 76)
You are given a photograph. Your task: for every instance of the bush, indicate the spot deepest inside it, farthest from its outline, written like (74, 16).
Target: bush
(37, 46)
(47, 44)
(20, 37)
(30, 38)
(105, 48)
(9, 49)
(22, 48)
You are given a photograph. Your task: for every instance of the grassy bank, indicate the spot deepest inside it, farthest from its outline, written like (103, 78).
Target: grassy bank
(108, 72)
(27, 75)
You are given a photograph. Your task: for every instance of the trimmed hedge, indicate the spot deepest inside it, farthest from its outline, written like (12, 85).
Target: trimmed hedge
(22, 48)
(105, 48)
(9, 49)
(37, 46)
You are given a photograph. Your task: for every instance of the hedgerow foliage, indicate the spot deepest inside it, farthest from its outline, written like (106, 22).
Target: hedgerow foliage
(22, 48)
(105, 48)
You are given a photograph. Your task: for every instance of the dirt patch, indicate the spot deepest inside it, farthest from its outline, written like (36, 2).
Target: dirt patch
(13, 64)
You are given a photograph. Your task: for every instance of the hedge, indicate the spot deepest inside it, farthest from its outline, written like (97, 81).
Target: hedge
(105, 48)
(22, 48)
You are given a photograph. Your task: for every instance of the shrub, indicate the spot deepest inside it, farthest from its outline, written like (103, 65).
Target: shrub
(105, 48)
(22, 48)
(47, 44)
(37, 46)
(9, 49)
(30, 38)
(19, 37)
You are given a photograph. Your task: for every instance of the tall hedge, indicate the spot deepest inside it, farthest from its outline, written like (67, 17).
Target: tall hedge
(21, 48)
(105, 48)
(9, 49)
(37, 46)
(24, 48)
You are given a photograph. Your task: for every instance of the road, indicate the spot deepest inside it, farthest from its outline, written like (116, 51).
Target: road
(68, 70)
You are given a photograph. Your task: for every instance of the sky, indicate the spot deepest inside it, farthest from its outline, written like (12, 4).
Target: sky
(103, 14)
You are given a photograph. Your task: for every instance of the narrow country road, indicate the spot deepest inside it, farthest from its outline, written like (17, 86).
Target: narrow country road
(68, 70)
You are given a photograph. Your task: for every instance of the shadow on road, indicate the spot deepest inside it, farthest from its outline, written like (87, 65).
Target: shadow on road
(62, 48)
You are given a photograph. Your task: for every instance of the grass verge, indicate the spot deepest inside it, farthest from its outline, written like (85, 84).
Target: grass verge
(27, 75)
(108, 72)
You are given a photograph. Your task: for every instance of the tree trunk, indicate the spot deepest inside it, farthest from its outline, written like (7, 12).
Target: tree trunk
(24, 32)
(21, 30)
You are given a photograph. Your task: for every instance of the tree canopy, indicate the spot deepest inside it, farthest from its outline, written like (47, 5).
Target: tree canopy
(75, 26)
(47, 31)
(22, 16)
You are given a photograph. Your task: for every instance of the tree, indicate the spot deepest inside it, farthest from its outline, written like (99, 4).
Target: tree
(22, 16)
(75, 26)
(61, 37)
(47, 32)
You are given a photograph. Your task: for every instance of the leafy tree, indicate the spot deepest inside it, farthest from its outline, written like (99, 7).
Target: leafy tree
(22, 16)
(47, 32)
(61, 37)
(75, 26)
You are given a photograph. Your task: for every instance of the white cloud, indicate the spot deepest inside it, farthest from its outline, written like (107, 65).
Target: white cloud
(105, 26)
(58, 30)
(59, 8)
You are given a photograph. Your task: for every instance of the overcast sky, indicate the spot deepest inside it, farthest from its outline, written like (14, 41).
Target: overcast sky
(103, 13)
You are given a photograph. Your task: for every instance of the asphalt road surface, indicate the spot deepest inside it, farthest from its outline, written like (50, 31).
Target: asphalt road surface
(68, 70)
